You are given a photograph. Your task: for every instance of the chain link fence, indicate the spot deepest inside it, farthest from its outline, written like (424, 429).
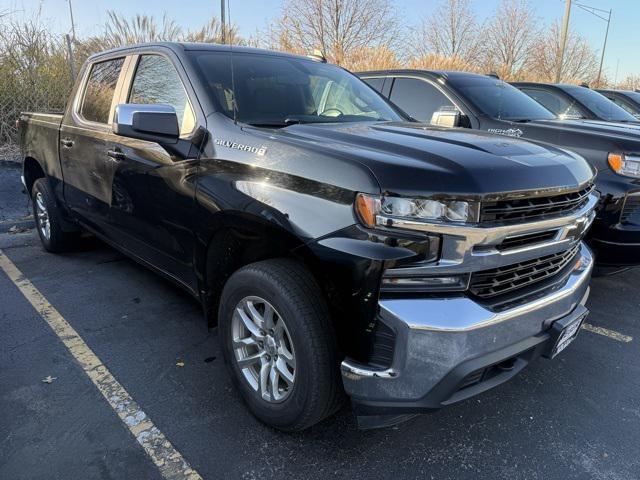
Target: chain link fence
(35, 75)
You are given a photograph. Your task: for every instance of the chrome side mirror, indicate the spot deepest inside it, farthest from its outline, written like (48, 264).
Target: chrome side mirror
(155, 123)
(446, 117)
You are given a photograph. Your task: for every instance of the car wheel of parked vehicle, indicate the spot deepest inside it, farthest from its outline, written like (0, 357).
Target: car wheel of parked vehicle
(48, 219)
(279, 345)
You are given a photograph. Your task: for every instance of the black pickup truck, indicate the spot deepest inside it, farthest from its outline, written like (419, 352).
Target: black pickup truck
(576, 102)
(484, 102)
(628, 100)
(336, 246)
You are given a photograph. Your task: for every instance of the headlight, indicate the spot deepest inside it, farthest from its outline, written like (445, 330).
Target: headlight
(627, 165)
(381, 210)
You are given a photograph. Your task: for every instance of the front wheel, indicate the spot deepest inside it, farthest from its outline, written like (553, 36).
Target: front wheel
(278, 344)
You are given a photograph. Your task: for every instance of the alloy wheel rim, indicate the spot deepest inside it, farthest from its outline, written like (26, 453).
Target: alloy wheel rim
(43, 216)
(263, 349)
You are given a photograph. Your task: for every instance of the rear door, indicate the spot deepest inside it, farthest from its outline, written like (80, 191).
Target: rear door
(83, 139)
(153, 192)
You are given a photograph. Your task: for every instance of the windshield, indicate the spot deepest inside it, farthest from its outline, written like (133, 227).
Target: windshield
(276, 91)
(497, 99)
(600, 105)
(635, 96)
(631, 103)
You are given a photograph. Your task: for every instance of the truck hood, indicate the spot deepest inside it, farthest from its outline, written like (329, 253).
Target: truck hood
(419, 159)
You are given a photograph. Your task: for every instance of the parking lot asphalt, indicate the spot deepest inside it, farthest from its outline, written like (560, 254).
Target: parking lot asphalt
(576, 417)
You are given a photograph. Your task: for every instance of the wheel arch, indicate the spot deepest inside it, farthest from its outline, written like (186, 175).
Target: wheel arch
(32, 170)
(236, 239)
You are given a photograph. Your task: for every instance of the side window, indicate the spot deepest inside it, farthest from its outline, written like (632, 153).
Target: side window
(156, 81)
(418, 98)
(554, 103)
(98, 94)
(376, 83)
(624, 105)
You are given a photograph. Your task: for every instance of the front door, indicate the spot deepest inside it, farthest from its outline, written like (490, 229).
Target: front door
(153, 192)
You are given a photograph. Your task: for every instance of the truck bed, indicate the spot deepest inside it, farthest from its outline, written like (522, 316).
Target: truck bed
(40, 139)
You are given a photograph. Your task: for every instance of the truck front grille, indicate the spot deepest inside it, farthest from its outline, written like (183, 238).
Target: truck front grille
(631, 210)
(533, 208)
(510, 279)
(526, 240)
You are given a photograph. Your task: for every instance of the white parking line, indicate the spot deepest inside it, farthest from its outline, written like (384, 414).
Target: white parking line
(168, 460)
(607, 333)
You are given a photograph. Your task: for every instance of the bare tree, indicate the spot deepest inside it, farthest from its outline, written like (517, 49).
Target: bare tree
(337, 27)
(450, 32)
(509, 38)
(580, 62)
(630, 82)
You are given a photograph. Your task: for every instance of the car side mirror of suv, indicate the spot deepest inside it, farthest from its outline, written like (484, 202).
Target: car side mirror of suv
(155, 123)
(446, 117)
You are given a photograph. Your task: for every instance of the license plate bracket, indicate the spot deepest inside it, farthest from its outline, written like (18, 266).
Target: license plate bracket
(564, 331)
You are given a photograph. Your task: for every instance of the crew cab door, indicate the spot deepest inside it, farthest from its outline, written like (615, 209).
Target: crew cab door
(153, 192)
(86, 168)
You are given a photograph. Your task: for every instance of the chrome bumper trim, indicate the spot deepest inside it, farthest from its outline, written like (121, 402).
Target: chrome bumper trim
(435, 335)
(463, 314)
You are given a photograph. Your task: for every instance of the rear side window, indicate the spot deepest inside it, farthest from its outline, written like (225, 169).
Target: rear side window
(554, 103)
(419, 98)
(99, 91)
(376, 83)
(157, 81)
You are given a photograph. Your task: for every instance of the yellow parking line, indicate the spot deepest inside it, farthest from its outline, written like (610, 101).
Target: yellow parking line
(168, 460)
(607, 333)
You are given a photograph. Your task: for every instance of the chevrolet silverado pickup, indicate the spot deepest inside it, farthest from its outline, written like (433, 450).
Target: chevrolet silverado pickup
(335, 246)
(484, 102)
(628, 100)
(575, 102)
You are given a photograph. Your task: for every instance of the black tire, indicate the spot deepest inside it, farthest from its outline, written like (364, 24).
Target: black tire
(293, 292)
(57, 240)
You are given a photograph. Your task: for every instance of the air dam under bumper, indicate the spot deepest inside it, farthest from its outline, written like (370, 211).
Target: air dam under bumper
(450, 349)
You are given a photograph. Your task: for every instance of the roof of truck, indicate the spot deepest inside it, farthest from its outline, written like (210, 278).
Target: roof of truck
(179, 47)
(422, 72)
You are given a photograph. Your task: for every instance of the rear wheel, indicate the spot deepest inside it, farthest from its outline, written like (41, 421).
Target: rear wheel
(49, 220)
(278, 344)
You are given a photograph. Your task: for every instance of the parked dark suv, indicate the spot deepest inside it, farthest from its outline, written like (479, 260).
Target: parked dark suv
(486, 103)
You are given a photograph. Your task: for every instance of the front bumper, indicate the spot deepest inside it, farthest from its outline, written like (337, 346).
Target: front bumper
(449, 349)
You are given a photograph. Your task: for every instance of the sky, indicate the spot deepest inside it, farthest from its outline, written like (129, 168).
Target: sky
(254, 15)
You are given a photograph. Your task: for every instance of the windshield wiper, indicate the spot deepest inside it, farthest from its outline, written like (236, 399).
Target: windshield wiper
(281, 123)
(268, 124)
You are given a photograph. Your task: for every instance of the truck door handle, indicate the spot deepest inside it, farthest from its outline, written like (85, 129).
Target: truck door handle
(67, 143)
(116, 154)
